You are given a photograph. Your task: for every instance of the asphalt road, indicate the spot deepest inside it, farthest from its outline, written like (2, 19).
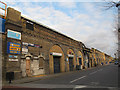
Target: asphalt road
(99, 77)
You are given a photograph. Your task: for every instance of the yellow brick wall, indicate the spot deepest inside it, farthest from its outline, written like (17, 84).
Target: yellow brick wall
(56, 49)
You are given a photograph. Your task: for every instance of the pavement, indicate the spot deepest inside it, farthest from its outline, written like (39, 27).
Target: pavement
(97, 77)
(39, 77)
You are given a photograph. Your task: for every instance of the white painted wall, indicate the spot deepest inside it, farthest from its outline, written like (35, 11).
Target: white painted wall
(34, 68)
(23, 67)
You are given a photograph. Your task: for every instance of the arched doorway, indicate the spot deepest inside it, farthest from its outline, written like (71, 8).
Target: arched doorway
(80, 60)
(56, 60)
(71, 62)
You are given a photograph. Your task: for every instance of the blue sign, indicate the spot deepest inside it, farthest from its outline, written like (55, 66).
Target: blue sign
(10, 56)
(13, 48)
(13, 56)
(2, 25)
(14, 34)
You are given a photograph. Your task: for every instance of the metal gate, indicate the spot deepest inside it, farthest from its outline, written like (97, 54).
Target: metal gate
(80, 62)
(71, 63)
(56, 64)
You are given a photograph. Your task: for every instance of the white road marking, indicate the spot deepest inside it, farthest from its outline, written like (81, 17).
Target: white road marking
(80, 86)
(93, 73)
(77, 79)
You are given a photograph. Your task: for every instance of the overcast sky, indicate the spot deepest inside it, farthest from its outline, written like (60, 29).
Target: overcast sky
(87, 22)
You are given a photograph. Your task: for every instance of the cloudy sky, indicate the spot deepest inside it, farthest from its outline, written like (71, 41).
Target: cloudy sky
(87, 22)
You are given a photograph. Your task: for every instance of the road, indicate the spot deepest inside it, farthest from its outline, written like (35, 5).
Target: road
(98, 77)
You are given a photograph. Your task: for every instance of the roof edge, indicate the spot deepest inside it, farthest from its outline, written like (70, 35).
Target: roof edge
(47, 27)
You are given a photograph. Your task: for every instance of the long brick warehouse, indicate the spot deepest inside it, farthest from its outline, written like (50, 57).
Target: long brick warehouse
(30, 48)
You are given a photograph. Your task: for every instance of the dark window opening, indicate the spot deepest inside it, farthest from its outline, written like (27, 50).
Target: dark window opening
(29, 25)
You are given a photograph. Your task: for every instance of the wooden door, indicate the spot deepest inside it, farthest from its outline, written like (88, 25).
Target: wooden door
(28, 68)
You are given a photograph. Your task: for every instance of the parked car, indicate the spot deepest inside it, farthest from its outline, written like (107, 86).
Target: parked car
(116, 62)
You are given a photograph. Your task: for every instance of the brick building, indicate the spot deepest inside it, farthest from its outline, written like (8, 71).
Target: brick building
(30, 48)
(99, 57)
(38, 49)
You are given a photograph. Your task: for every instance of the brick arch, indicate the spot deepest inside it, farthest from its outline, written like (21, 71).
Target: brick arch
(74, 58)
(56, 49)
(56, 45)
(70, 49)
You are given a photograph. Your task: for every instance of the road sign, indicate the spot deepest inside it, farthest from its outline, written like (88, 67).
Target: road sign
(13, 34)
(13, 48)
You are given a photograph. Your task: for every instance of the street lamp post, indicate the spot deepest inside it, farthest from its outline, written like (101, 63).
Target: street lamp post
(118, 6)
